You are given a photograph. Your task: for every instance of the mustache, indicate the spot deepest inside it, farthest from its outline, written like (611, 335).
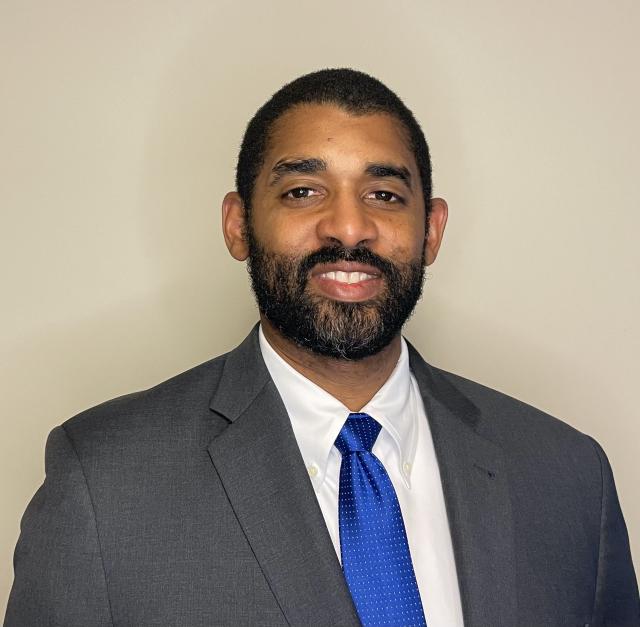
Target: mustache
(333, 254)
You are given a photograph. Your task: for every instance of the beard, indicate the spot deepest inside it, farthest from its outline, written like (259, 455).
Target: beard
(331, 328)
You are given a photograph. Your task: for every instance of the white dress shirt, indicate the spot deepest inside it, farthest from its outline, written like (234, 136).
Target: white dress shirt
(404, 447)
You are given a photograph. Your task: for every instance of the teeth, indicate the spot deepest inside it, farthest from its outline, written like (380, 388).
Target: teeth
(347, 277)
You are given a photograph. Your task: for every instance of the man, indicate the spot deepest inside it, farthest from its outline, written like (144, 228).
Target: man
(322, 473)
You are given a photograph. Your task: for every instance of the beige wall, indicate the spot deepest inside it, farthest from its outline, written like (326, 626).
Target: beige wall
(119, 125)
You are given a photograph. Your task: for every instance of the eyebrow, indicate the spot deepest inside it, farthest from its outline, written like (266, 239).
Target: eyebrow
(382, 170)
(296, 166)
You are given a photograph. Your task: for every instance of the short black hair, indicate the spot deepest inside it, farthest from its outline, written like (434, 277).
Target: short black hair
(355, 92)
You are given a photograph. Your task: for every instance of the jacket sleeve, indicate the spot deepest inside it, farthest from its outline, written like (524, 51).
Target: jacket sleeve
(59, 574)
(616, 603)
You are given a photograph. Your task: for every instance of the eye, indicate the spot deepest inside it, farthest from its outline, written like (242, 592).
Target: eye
(299, 193)
(384, 196)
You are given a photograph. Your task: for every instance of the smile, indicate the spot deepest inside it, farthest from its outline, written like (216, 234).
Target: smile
(347, 277)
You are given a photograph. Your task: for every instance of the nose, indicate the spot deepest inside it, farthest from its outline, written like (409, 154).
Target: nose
(348, 222)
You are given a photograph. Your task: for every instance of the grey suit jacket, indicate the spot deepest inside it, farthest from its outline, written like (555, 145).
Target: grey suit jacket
(189, 505)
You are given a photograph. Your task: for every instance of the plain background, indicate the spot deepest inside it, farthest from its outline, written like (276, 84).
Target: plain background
(119, 127)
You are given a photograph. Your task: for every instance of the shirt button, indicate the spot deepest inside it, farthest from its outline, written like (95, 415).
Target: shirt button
(313, 471)
(406, 467)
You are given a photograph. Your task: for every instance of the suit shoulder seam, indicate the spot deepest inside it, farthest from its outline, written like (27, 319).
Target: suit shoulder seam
(95, 520)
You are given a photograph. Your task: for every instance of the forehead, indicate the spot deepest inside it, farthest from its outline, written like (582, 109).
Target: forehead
(316, 130)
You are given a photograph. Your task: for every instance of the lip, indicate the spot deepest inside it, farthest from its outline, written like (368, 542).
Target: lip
(359, 291)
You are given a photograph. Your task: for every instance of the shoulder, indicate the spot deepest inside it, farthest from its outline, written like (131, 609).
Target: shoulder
(550, 465)
(176, 417)
(505, 412)
(169, 407)
(528, 436)
(505, 417)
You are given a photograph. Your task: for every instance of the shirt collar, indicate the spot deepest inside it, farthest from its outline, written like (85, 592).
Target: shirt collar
(317, 417)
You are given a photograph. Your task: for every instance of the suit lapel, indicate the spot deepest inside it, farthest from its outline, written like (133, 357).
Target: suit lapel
(261, 469)
(476, 490)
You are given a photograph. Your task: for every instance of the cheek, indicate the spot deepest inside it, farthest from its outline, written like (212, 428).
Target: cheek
(286, 233)
(406, 240)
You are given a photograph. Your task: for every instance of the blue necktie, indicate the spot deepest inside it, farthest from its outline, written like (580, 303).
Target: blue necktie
(375, 553)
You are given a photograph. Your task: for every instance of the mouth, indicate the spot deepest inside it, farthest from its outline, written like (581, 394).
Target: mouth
(347, 281)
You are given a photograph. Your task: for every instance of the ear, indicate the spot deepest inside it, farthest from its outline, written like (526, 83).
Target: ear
(437, 221)
(233, 219)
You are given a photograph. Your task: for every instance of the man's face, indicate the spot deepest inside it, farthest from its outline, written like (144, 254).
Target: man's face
(336, 238)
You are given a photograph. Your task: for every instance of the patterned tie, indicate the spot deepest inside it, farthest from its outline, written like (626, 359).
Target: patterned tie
(373, 542)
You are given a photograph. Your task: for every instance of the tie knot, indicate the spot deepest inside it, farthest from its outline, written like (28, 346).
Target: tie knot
(358, 434)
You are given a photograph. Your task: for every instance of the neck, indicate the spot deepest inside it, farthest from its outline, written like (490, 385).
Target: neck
(353, 383)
